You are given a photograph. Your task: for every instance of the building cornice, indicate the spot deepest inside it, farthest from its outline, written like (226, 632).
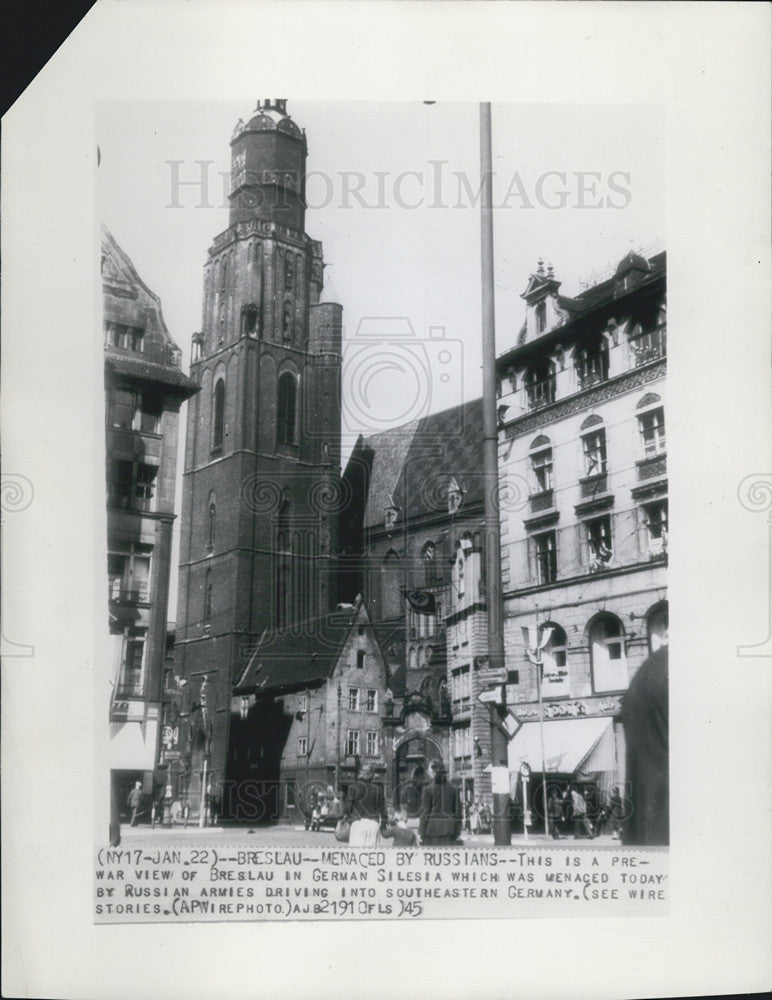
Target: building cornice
(587, 399)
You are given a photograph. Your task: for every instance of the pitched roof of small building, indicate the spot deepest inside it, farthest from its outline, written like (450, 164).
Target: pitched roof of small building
(302, 655)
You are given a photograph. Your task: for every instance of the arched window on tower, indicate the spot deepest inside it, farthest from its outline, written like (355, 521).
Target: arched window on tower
(283, 564)
(208, 595)
(218, 421)
(211, 525)
(285, 415)
(607, 654)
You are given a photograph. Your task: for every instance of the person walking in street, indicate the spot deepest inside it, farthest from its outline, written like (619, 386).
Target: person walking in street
(474, 818)
(579, 810)
(440, 821)
(646, 718)
(555, 813)
(366, 809)
(616, 809)
(134, 801)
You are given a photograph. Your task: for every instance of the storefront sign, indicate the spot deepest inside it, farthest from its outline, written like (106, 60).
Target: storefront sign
(571, 709)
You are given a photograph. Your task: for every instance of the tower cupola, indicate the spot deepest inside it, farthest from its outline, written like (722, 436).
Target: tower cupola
(268, 168)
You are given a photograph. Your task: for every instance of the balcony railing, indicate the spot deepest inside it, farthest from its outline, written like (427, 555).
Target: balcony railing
(593, 485)
(125, 595)
(590, 376)
(540, 393)
(648, 347)
(130, 689)
(629, 542)
(648, 468)
(541, 500)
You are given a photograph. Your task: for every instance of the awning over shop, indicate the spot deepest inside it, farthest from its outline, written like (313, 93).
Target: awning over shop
(570, 745)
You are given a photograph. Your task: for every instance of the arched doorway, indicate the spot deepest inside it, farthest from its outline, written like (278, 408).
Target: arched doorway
(412, 756)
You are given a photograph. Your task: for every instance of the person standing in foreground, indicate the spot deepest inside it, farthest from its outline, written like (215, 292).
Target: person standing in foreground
(135, 801)
(645, 714)
(440, 821)
(366, 809)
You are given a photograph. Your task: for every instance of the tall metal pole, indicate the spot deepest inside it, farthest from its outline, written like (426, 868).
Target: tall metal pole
(539, 662)
(501, 822)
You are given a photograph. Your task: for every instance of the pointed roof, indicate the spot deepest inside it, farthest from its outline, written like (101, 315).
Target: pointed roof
(411, 467)
(302, 655)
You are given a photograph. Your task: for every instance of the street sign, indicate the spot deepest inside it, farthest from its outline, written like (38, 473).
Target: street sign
(493, 696)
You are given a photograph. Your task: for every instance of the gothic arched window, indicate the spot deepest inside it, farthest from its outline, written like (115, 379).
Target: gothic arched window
(211, 524)
(218, 422)
(285, 415)
(208, 596)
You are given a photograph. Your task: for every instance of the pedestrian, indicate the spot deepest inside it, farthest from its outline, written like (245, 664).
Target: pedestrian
(440, 821)
(366, 809)
(645, 715)
(135, 801)
(616, 808)
(399, 832)
(474, 818)
(579, 812)
(555, 813)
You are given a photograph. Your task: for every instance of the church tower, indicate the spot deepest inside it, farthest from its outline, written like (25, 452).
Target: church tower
(262, 456)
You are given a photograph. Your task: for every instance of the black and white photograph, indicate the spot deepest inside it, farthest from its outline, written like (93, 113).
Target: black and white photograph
(350, 481)
(340, 618)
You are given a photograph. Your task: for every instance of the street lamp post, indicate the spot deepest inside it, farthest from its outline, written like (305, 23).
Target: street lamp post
(535, 639)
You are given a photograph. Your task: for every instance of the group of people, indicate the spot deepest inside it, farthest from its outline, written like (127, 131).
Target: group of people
(440, 815)
(573, 811)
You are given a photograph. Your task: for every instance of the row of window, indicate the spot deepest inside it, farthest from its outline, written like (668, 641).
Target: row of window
(590, 362)
(608, 652)
(286, 412)
(355, 701)
(372, 743)
(353, 743)
(598, 542)
(651, 428)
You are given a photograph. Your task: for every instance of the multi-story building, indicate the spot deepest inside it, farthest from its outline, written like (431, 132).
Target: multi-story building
(145, 388)
(582, 442)
(414, 529)
(262, 456)
(310, 707)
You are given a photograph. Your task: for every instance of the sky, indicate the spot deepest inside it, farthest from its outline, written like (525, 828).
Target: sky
(392, 192)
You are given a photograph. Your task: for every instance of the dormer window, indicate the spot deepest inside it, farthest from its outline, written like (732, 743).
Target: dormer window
(455, 497)
(540, 313)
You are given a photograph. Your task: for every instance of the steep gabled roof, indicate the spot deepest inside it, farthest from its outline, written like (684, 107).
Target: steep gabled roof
(303, 655)
(411, 466)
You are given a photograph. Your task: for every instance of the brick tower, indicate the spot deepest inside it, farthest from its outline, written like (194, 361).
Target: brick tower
(262, 456)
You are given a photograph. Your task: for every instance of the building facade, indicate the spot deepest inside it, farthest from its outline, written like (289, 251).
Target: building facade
(262, 465)
(582, 449)
(145, 388)
(413, 529)
(308, 712)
